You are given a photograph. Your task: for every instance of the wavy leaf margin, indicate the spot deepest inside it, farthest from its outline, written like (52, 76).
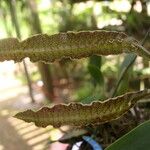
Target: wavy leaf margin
(77, 114)
(74, 45)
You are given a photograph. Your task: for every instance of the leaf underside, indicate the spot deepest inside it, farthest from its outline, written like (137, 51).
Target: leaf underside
(77, 114)
(74, 45)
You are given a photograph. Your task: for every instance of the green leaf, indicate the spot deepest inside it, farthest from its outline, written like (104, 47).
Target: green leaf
(136, 139)
(94, 68)
(125, 72)
(96, 61)
(73, 45)
(127, 62)
(96, 74)
(77, 114)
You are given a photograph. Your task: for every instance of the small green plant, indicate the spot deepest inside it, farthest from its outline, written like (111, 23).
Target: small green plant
(76, 45)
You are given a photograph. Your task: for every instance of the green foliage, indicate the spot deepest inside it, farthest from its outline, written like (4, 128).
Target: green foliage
(132, 21)
(92, 98)
(123, 75)
(94, 68)
(83, 92)
(64, 16)
(96, 74)
(128, 60)
(136, 139)
(73, 45)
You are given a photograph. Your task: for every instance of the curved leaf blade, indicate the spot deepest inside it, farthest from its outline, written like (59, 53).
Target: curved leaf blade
(96, 74)
(73, 45)
(77, 114)
(136, 139)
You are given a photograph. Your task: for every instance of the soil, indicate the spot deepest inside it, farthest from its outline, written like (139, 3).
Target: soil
(16, 134)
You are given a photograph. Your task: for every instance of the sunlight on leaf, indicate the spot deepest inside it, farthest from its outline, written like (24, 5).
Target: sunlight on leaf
(77, 114)
(74, 45)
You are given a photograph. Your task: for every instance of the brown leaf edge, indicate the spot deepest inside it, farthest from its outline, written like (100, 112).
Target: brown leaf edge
(77, 114)
(75, 45)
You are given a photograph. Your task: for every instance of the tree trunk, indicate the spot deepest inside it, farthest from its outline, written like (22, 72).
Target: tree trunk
(11, 4)
(44, 69)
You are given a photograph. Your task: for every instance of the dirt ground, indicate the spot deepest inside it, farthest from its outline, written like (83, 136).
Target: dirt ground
(18, 135)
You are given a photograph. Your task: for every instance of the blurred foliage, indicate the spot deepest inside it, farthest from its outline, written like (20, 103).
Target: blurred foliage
(94, 78)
